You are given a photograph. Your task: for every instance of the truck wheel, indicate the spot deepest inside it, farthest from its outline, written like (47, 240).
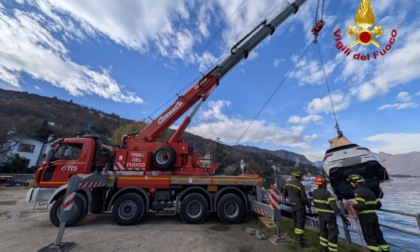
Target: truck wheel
(194, 208)
(164, 157)
(85, 209)
(78, 210)
(128, 209)
(230, 209)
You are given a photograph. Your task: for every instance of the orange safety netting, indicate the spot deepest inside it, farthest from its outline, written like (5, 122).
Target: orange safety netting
(351, 212)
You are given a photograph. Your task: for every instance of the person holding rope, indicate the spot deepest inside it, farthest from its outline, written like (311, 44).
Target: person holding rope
(327, 209)
(295, 191)
(366, 204)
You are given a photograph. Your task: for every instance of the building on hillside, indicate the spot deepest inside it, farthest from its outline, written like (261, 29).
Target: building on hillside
(33, 150)
(30, 149)
(206, 160)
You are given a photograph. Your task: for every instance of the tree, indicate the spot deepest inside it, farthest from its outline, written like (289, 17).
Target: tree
(219, 153)
(44, 131)
(14, 164)
(127, 129)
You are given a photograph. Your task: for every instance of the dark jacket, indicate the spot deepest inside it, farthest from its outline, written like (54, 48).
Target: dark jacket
(295, 191)
(366, 200)
(324, 201)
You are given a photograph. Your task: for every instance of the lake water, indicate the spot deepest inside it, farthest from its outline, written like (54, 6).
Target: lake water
(401, 194)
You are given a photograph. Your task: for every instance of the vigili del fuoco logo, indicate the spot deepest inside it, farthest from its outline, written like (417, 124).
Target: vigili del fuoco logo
(364, 35)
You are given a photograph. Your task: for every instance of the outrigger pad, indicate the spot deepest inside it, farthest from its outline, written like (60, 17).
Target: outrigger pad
(63, 247)
(276, 240)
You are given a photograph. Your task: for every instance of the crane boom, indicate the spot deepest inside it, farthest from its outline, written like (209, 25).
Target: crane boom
(206, 85)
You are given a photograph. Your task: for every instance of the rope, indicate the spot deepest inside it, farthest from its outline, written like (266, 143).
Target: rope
(329, 92)
(271, 96)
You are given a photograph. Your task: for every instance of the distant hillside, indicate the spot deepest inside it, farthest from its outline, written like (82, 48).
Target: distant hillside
(405, 164)
(27, 113)
(318, 164)
(296, 158)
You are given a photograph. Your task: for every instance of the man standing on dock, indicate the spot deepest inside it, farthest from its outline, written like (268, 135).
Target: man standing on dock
(295, 191)
(327, 209)
(366, 205)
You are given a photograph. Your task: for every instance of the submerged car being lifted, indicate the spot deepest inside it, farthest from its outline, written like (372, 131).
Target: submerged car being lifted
(345, 158)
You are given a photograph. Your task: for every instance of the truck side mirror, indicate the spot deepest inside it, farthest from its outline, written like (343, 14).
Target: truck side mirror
(49, 156)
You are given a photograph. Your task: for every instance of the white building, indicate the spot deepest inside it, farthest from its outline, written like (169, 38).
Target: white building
(206, 160)
(30, 149)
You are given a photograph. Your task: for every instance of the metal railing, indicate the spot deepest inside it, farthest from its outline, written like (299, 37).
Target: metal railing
(395, 228)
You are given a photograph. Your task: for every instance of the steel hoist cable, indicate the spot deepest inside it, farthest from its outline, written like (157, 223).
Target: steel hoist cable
(329, 92)
(274, 92)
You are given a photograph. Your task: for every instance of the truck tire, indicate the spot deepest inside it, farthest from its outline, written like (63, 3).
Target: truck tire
(79, 211)
(194, 208)
(85, 209)
(96, 210)
(230, 209)
(128, 209)
(164, 157)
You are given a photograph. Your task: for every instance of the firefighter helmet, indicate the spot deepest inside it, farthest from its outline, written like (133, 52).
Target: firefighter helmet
(297, 175)
(355, 179)
(320, 180)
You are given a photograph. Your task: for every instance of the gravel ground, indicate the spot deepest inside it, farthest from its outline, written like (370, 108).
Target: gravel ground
(27, 228)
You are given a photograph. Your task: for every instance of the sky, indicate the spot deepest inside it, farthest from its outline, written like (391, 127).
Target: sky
(132, 58)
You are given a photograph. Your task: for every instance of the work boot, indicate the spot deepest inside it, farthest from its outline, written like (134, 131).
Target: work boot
(301, 244)
(323, 249)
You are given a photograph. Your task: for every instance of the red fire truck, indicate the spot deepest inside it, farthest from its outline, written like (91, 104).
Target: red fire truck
(146, 175)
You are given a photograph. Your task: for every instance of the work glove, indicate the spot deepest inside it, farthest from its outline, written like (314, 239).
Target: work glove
(345, 220)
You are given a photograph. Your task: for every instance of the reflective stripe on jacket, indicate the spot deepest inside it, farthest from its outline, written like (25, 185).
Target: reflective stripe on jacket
(366, 200)
(324, 201)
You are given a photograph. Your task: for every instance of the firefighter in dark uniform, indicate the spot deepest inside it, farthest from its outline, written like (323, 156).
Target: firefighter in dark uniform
(366, 205)
(295, 191)
(327, 209)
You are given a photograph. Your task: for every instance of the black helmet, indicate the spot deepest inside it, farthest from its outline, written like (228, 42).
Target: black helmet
(355, 179)
(297, 174)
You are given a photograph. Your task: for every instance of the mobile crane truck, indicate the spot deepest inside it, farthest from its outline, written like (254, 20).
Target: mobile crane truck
(165, 177)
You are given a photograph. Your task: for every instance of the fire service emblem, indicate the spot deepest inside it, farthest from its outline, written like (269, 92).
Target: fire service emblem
(364, 35)
(365, 19)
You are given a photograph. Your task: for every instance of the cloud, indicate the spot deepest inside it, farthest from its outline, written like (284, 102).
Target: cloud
(304, 120)
(50, 26)
(28, 46)
(397, 67)
(277, 62)
(395, 143)
(406, 102)
(404, 97)
(213, 122)
(398, 106)
(323, 105)
(311, 71)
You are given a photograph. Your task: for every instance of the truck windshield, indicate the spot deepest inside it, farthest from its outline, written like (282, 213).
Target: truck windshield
(70, 151)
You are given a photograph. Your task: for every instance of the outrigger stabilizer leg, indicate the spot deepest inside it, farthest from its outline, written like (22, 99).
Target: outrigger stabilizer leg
(66, 215)
(275, 199)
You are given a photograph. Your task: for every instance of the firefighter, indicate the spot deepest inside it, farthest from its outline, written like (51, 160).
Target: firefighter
(295, 191)
(327, 209)
(366, 204)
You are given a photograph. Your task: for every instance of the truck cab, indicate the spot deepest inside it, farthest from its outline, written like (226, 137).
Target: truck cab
(68, 157)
